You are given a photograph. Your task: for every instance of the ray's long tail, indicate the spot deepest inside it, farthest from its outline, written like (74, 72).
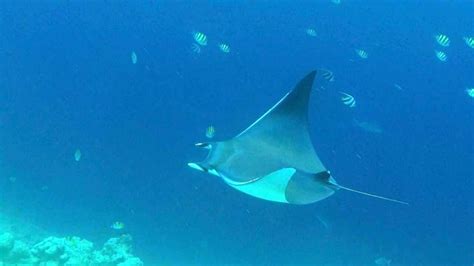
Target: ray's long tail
(371, 195)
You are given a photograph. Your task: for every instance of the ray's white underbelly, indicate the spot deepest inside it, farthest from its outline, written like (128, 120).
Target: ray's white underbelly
(271, 187)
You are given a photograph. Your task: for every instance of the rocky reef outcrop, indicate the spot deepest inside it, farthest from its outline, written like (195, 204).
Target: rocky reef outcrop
(67, 251)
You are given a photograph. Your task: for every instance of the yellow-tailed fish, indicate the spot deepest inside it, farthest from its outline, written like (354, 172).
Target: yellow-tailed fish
(200, 38)
(469, 41)
(134, 57)
(77, 155)
(311, 32)
(442, 40)
(362, 54)
(117, 226)
(470, 92)
(441, 56)
(382, 261)
(224, 48)
(210, 132)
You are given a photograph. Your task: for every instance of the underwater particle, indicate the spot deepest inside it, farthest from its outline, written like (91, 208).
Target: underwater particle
(370, 127)
(323, 222)
(327, 75)
(361, 53)
(224, 48)
(44, 188)
(210, 132)
(12, 179)
(77, 155)
(117, 225)
(348, 99)
(398, 87)
(200, 38)
(469, 41)
(311, 32)
(134, 57)
(336, 2)
(196, 48)
(441, 56)
(470, 92)
(442, 40)
(382, 261)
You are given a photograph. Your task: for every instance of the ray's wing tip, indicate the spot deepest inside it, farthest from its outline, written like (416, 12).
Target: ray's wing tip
(312, 73)
(308, 79)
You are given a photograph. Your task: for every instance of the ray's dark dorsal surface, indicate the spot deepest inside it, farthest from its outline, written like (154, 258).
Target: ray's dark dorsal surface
(274, 158)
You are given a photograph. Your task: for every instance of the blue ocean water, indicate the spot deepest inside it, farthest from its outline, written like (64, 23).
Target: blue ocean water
(67, 82)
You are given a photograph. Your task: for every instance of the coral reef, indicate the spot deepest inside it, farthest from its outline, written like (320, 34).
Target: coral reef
(67, 251)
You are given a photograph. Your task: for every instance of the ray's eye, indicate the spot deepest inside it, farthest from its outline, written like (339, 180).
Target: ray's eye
(325, 175)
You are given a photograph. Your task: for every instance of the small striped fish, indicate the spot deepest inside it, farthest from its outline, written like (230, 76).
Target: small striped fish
(348, 99)
(469, 41)
(311, 32)
(398, 87)
(196, 48)
(362, 54)
(443, 40)
(327, 75)
(200, 38)
(210, 132)
(224, 48)
(382, 261)
(117, 226)
(441, 56)
(77, 155)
